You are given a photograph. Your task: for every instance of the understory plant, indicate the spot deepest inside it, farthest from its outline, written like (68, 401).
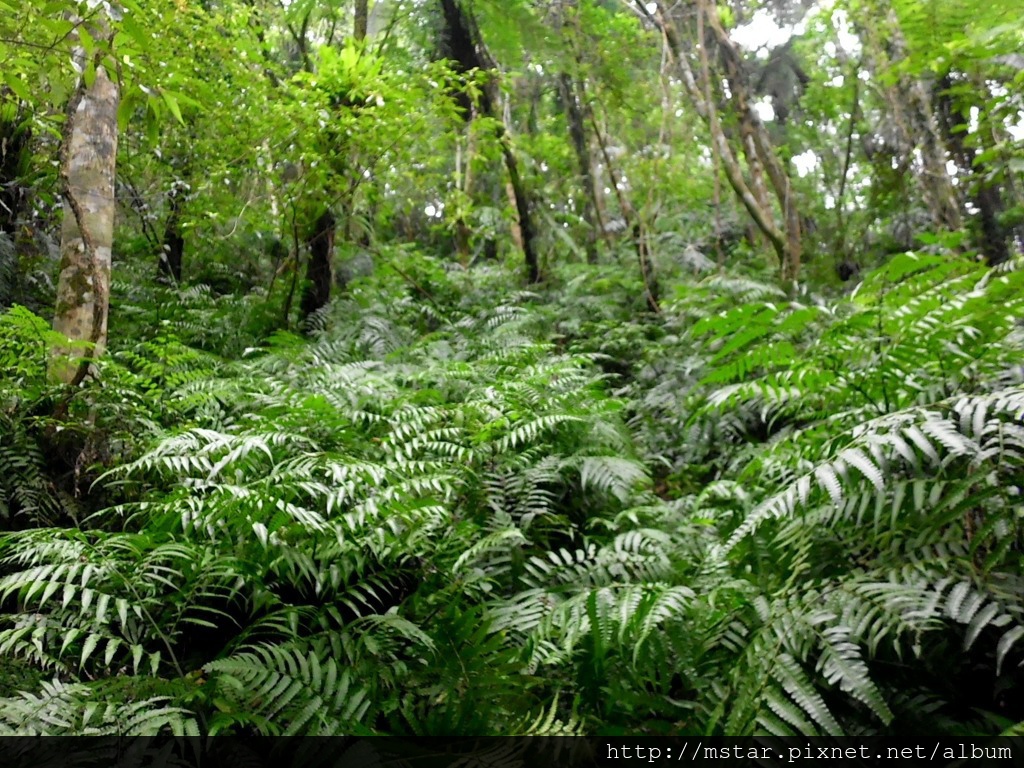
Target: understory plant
(455, 516)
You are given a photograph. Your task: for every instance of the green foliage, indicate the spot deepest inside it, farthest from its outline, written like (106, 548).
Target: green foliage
(940, 32)
(330, 499)
(429, 519)
(26, 492)
(879, 451)
(452, 506)
(371, 532)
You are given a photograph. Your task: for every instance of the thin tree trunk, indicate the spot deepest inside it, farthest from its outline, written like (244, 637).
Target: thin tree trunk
(839, 249)
(578, 134)
(173, 249)
(936, 176)
(525, 220)
(986, 195)
(361, 19)
(573, 94)
(296, 257)
(635, 225)
(763, 154)
(468, 51)
(755, 144)
(911, 111)
(319, 270)
(516, 232)
(15, 153)
(463, 233)
(87, 169)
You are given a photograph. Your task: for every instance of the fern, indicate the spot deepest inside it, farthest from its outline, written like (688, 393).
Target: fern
(908, 453)
(443, 523)
(281, 683)
(76, 710)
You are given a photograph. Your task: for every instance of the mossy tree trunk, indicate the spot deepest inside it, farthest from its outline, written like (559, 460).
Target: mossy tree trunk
(361, 19)
(88, 158)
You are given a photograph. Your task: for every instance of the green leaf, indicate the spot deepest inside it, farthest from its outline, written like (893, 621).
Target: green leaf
(172, 104)
(16, 84)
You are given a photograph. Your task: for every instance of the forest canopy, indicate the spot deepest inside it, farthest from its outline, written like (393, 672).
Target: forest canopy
(478, 367)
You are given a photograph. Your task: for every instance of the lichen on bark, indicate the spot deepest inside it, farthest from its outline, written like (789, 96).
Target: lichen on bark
(88, 160)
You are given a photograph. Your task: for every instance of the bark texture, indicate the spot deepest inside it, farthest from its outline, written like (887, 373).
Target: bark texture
(361, 20)
(88, 161)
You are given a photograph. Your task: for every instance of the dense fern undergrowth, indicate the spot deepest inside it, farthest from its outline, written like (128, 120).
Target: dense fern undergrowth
(452, 509)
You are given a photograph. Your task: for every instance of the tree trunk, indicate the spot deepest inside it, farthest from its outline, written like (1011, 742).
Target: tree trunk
(578, 134)
(984, 193)
(911, 111)
(361, 19)
(319, 270)
(15, 154)
(463, 233)
(89, 153)
(173, 248)
(758, 147)
(467, 51)
(633, 222)
(526, 232)
(755, 144)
